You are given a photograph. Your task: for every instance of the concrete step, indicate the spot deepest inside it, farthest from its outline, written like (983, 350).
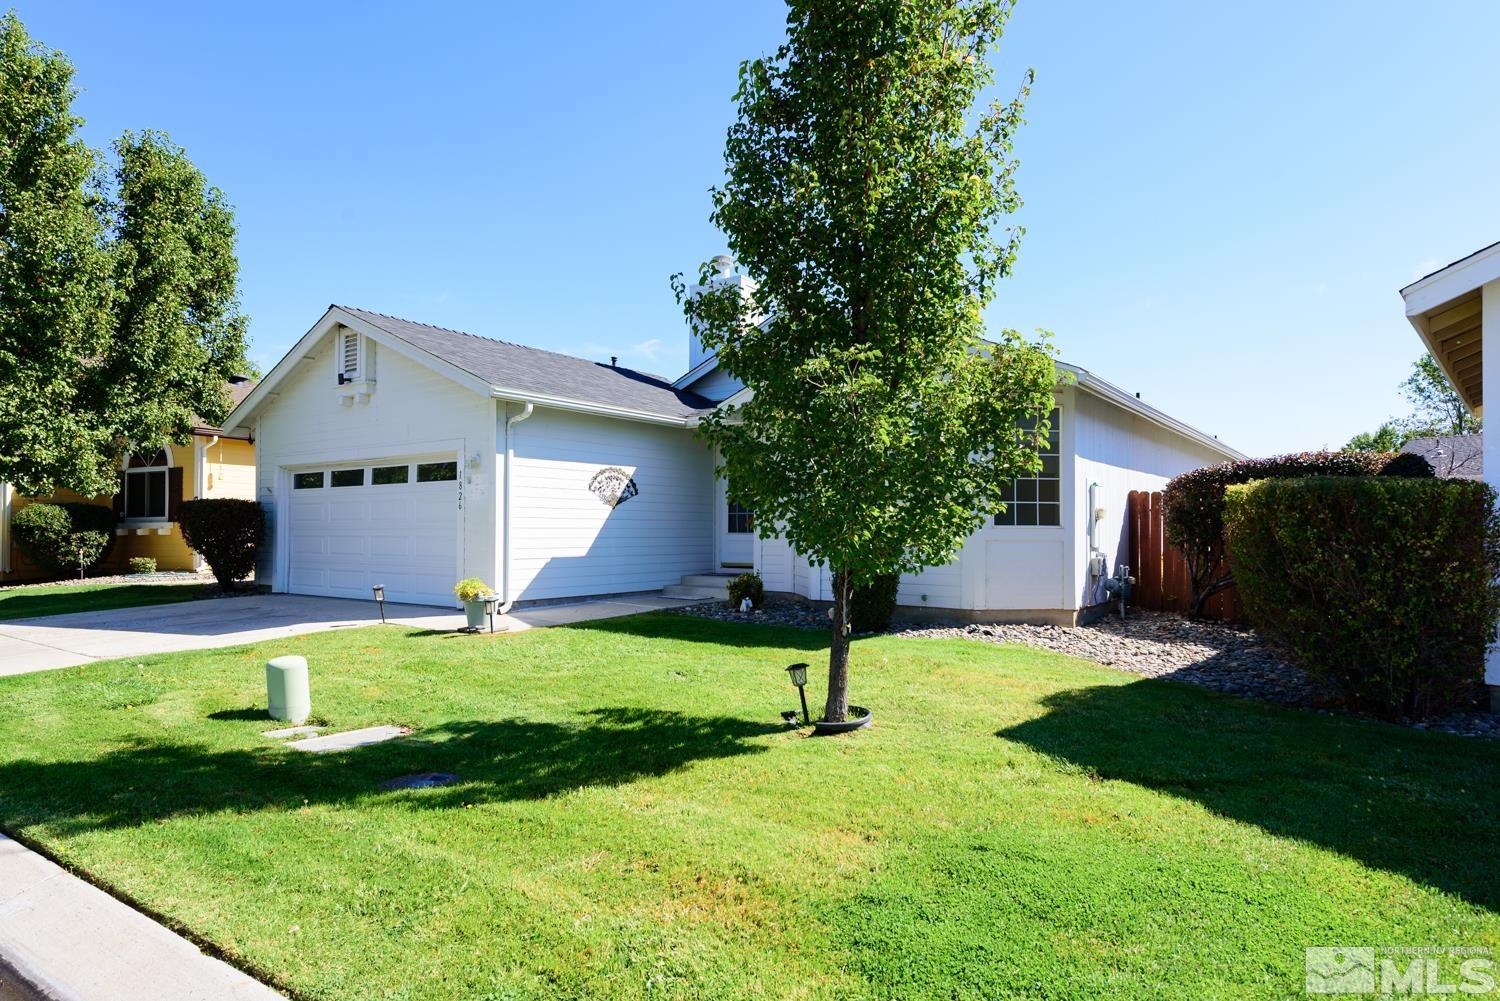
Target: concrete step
(696, 591)
(708, 579)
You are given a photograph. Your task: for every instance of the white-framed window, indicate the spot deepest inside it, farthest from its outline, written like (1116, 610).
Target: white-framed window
(146, 486)
(1037, 500)
(349, 355)
(741, 520)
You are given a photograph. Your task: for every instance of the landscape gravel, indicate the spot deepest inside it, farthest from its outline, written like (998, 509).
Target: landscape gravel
(1212, 655)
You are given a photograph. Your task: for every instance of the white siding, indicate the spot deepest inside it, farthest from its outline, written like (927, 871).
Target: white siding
(1121, 452)
(566, 542)
(412, 412)
(716, 385)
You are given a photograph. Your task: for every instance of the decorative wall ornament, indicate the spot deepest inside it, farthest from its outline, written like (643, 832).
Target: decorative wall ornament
(613, 485)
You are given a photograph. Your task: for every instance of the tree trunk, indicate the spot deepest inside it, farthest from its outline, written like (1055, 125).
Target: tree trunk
(837, 706)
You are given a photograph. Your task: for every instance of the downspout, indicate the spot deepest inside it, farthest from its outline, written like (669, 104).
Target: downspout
(200, 488)
(508, 598)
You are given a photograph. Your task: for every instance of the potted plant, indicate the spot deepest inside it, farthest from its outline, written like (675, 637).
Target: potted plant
(472, 591)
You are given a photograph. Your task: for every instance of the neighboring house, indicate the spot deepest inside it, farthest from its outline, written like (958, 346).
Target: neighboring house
(407, 455)
(1451, 456)
(215, 463)
(1449, 310)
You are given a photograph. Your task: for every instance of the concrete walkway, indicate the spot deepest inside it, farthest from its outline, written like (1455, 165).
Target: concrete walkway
(55, 641)
(64, 939)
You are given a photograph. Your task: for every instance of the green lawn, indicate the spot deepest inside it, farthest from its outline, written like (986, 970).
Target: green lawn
(635, 822)
(26, 602)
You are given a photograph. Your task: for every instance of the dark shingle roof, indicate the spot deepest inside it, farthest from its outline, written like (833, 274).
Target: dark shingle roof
(1452, 456)
(545, 373)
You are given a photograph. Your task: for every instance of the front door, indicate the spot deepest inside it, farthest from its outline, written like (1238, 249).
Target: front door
(735, 531)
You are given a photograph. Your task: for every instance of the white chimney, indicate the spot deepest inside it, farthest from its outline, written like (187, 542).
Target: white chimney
(723, 266)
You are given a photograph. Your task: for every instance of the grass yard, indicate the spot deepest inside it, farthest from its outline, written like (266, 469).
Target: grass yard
(27, 602)
(634, 821)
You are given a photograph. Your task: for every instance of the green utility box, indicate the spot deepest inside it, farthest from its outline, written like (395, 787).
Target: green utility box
(287, 696)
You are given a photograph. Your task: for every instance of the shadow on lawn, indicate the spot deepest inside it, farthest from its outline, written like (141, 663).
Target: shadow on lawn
(512, 759)
(697, 629)
(1425, 806)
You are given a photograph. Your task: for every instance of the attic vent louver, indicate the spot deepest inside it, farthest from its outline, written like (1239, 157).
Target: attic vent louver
(348, 353)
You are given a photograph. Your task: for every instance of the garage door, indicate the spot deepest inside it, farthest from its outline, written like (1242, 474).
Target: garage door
(393, 523)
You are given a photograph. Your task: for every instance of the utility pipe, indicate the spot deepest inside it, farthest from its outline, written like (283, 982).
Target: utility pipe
(510, 454)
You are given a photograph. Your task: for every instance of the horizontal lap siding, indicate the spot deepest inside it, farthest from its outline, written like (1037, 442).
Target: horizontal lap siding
(412, 404)
(566, 542)
(1122, 452)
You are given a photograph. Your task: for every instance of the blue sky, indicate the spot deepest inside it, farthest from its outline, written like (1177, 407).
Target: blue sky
(1221, 200)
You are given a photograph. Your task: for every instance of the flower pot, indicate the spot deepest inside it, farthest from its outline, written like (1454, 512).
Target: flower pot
(475, 612)
(859, 717)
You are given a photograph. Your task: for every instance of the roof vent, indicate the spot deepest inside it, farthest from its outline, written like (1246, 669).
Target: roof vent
(236, 380)
(614, 361)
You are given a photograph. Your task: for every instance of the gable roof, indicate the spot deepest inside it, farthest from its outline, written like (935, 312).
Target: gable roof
(498, 369)
(535, 371)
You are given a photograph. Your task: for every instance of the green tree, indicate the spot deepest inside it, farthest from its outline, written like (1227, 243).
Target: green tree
(1436, 406)
(119, 317)
(1387, 438)
(1436, 409)
(178, 329)
(862, 192)
(54, 289)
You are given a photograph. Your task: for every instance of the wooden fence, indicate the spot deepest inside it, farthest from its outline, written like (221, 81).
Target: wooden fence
(1162, 583)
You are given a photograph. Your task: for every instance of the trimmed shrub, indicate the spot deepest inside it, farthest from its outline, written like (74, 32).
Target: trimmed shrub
(873, 605)
(226, 532)
(1407, 464)
(1381, 587)
(142, 564)
(87, 548)
(44, 533)
(1193, 506)
(747, 585)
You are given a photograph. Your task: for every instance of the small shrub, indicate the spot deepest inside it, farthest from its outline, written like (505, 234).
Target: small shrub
(472, 589)
(226, 532)
(142, 564)
(87, 549)
(44, 533)
(873, 604)
(1407, 464)
(1382, 587)
(747, 585)
(1193, 506)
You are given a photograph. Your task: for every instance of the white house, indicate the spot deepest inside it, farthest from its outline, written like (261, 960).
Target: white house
(397, 453)
(1450, 309)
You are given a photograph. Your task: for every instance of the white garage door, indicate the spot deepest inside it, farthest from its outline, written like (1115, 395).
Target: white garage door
(393, 523)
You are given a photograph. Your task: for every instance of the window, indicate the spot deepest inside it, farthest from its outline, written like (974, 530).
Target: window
(1037, 500)
(741, 519)
(308, 481)
(347, 478)
(382, 476)
(435, 472)
(146, 486)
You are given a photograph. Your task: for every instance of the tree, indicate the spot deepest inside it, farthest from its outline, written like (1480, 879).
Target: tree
(1436, 406)
(1436, 409)
(178, 330)
(861, 194)
(1387, 438)
(54, 290)
(119, 318)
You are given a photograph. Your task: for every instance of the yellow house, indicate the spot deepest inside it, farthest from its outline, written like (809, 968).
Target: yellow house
(213, 464)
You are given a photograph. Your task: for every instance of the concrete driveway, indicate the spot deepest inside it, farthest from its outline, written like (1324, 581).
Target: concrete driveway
(81, 637)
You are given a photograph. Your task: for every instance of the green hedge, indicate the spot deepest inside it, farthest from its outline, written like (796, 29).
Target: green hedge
(747, 585)
(226, 533)
(45, 534)
(1193, 505)
(1383, 588)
